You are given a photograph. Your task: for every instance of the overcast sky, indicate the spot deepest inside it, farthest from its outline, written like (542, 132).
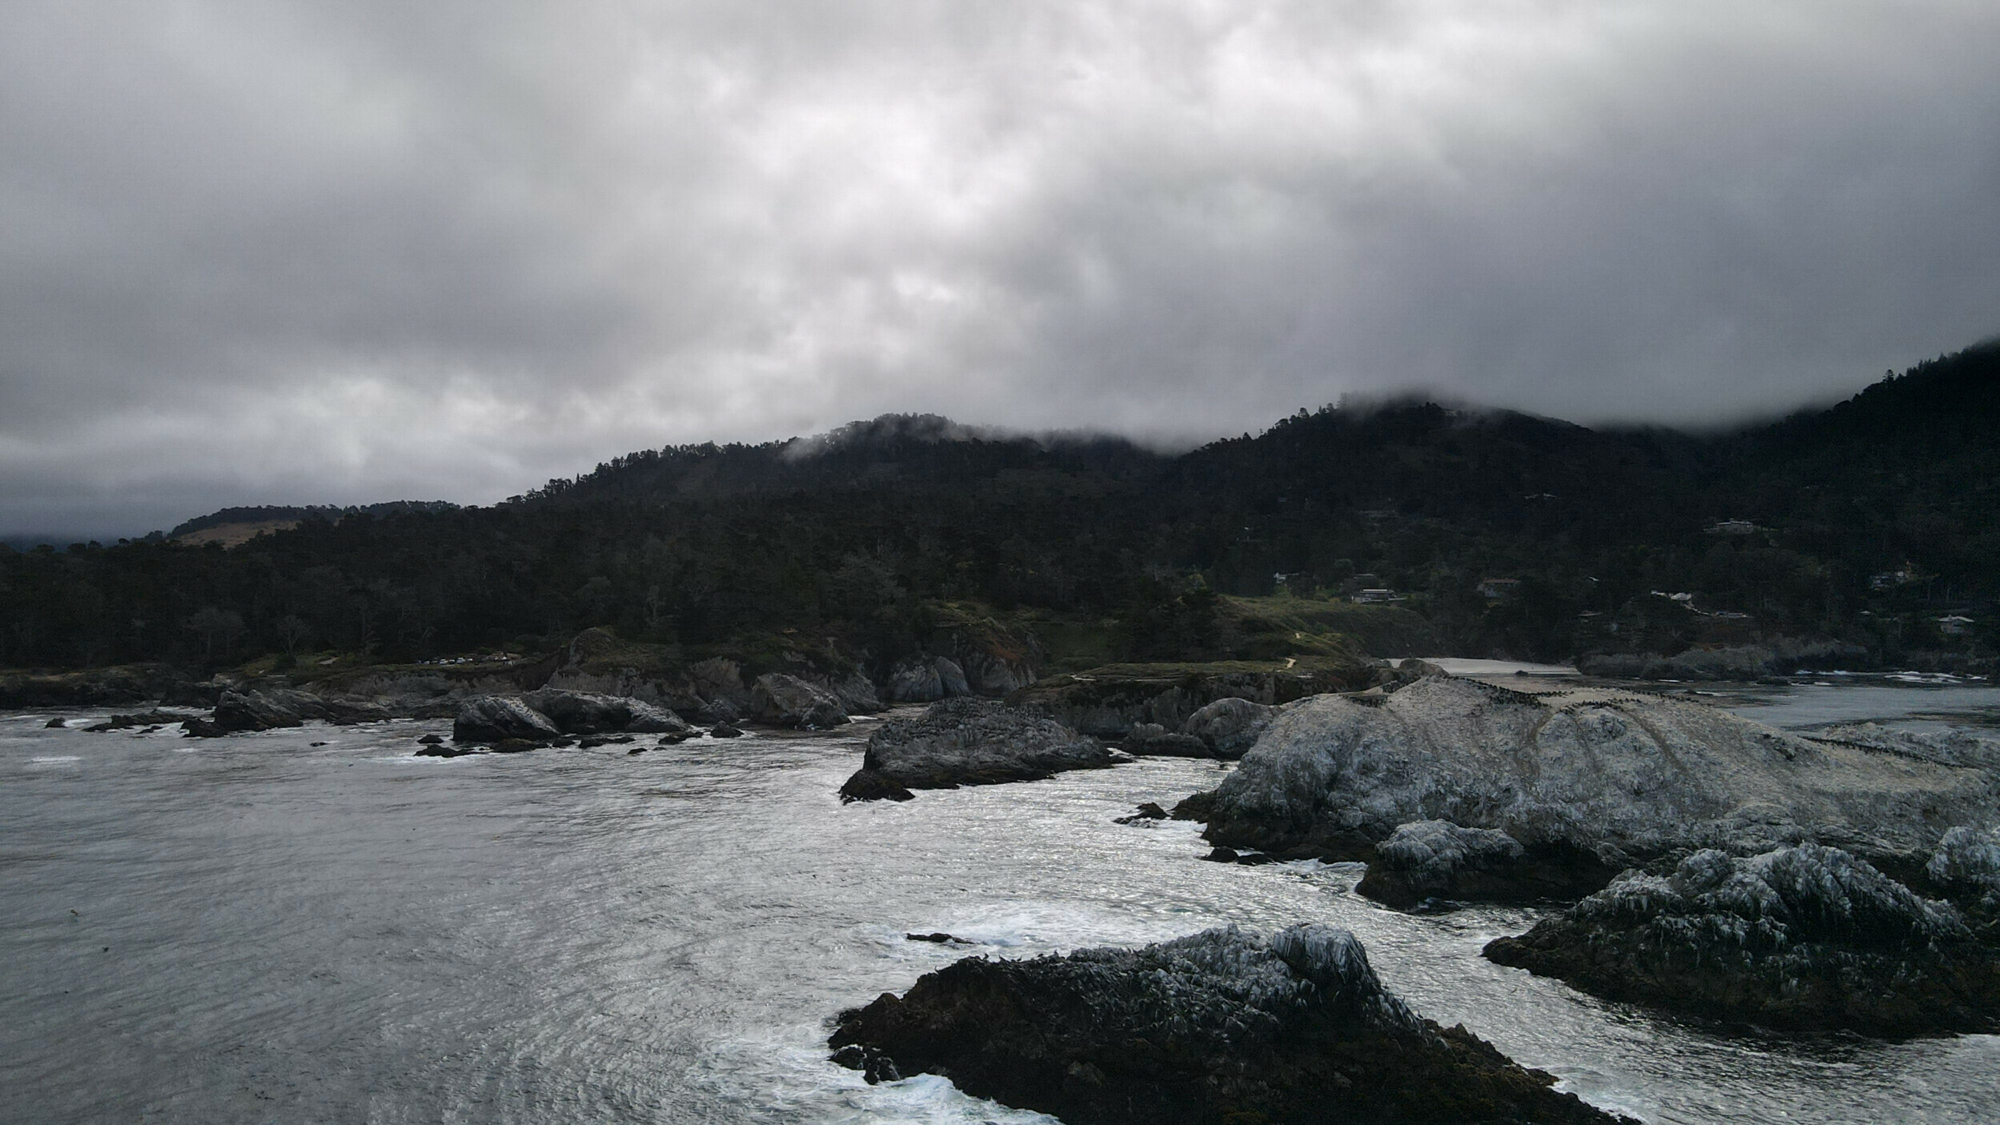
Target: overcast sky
(293, 251)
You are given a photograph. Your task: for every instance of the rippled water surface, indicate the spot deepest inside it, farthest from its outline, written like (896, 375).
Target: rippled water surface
(257, 929)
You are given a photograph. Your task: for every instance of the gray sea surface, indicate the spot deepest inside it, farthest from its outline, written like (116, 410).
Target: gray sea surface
(258, 929)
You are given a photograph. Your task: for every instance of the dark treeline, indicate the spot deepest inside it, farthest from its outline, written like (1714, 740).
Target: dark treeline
(1867, 523)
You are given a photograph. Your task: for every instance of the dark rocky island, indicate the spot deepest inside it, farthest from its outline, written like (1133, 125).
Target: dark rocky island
(1802, 938)
(1220, 1027)
(969, 741)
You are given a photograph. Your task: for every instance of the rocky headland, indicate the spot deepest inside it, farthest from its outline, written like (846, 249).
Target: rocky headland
(1804, 937)
(1585, 783)
(969, 742)
(1224, 1026)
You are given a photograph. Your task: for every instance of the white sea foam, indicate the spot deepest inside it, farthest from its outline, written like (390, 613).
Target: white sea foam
(56, 758)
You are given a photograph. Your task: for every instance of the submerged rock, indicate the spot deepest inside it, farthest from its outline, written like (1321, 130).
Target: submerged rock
(1222, 1026)
(498, 718)
(150, 719)
(788, 701)
(1147, 813)
(969, 741)
(1802, 937)
(1588, 782)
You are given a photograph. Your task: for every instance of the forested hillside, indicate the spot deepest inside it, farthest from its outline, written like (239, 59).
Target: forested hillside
(1864, 524)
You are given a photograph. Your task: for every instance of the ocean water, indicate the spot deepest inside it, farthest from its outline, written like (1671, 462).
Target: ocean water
(258, 929)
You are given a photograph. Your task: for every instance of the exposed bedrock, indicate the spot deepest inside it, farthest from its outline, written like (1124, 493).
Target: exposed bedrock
(1966, 869)
(499, 718)
(1157, 741)
(1436, 859)
(1588, 782)
(927, 679)
(272, 708)
(969, 741)
(582, 712)
(1802, 937)
(787, 701)
(1229, 727)
(1222, 1026)
(1108, 702)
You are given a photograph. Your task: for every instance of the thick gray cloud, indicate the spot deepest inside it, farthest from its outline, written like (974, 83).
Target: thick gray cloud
(268, 251)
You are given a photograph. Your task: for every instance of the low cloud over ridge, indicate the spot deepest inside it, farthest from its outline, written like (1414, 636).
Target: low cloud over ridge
(317, 252)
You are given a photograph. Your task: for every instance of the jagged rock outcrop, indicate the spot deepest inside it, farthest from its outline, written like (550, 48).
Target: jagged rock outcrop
(927, 679)
(1230, 727)
(787, 701)
(1107, 702)
(1436, 859)
(1799, 937)
(1966, 869)
(1154, 740)
(915, 681)
(854, 692)
(1220, 1027)
(274, 707)
(1589, 780)
(499, 718)
(969, 741)
(581, 712)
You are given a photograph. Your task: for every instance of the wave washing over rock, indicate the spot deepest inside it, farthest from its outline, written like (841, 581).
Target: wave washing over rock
(1222, 1026)
(1588, 782)
(1806, 937)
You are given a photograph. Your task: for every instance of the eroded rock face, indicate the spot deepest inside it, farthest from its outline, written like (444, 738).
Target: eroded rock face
(788, 701)
(1222, 1026)
(970, 741)
(1590, 778)
(1436, 859)
(499, 718)
(1801, 937)
(272, 708)
(927, 679)
(582, 712)
(1157, 741)
(1230, 726)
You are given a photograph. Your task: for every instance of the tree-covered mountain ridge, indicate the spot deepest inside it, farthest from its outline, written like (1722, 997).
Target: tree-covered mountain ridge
(1867, 534)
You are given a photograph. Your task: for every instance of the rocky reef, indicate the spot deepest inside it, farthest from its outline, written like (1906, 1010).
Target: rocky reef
(968, 741)
(1804, 937)
(1588, 782)
(1224, 1026)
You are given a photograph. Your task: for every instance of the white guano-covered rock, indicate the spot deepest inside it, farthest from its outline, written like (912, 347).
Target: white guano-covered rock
(1612, 775)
